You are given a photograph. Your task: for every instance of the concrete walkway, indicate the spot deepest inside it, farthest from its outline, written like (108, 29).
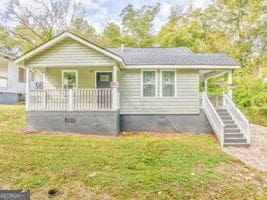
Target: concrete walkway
(256, 154)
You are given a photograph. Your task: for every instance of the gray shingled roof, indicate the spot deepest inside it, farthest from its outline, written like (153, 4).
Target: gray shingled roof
(170, 56)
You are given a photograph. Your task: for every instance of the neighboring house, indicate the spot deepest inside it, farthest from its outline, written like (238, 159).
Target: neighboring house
(12, 80)
(90, 89)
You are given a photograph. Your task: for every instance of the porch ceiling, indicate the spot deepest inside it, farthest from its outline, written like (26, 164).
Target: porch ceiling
(210, 73)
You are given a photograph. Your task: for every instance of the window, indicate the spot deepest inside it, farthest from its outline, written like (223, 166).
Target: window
(22, 75)
(149, 84)
(168, 83)
(70, 79)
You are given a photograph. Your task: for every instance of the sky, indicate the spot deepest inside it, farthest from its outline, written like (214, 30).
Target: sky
(100, 12)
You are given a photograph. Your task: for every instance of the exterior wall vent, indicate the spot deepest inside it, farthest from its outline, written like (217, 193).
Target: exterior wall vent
(70, 120)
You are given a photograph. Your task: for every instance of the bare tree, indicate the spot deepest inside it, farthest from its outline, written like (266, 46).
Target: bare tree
(33, 24)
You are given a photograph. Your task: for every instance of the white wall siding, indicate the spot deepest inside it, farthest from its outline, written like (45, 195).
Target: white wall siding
(86, 76)
(186, 102)
(13, 79)
(69, 53)
(10, 71)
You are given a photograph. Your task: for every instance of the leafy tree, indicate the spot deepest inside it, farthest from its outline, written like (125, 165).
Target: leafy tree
(137, 23)
(81, 27)
(111, 36)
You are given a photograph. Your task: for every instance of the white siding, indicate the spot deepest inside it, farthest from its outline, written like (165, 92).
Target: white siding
(13, 79)
(3, 68)
(186, 102)
(86, 76)
(69, 53)
(11, 84)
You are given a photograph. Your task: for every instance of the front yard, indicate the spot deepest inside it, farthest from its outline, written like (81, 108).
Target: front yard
(137, 166)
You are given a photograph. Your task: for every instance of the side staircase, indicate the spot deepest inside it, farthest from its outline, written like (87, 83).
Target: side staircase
(229, 124)
(233, 136)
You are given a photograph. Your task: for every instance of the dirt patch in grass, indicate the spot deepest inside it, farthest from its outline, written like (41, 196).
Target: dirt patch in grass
(4, 186)
(74, 190)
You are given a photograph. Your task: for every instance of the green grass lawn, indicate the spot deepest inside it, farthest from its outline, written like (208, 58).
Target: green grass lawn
(139, 166)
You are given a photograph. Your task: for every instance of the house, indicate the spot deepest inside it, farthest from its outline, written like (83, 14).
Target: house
(12, 80)
(90, 89)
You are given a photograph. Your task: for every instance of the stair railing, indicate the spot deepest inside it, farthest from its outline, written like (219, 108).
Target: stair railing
(240, 119)
(213, 117)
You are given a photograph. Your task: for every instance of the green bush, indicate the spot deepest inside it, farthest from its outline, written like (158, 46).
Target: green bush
(256, 115)
(249, 91)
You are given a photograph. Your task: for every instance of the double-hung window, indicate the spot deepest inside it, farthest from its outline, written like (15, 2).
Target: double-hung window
(70, 79)
(168, 82)
(149, 80)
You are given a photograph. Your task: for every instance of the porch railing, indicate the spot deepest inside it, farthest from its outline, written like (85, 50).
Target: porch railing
(216, 100)
(238, 116)
(213, 117)
(70, 100)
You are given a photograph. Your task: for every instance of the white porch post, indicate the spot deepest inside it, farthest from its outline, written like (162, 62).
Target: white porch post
(114, 88)
(27, 97)
(206, 85)
(230, 82)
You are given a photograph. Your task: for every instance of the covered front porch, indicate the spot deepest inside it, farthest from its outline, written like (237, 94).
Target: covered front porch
(217, 98)
(74, 89)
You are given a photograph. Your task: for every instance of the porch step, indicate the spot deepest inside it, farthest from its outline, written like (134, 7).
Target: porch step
(235, 140)
(228, 122)
(224, 115)
(230, 126)
(246, 145)
(221, 110)
(231, 130)
(227, 118)
(233, 135)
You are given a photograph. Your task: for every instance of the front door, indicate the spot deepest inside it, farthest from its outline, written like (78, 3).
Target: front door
(103, 79)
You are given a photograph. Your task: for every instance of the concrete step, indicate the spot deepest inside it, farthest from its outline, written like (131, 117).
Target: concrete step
(236, 145)
(231, 126)
(221, 110)
(231, 130)
(235, 140)
(224, 115)
(228, 122)
(233, 135)
(226, 118)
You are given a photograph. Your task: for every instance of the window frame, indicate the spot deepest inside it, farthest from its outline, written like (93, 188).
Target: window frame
(62, 77)
(161, 83)
(142, 82)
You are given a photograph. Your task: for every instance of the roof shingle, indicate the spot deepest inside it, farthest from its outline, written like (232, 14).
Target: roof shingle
(170, 56)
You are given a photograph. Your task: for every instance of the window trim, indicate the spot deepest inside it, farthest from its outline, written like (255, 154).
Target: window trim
(175, 83)
(69, 70)
(142, 82)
